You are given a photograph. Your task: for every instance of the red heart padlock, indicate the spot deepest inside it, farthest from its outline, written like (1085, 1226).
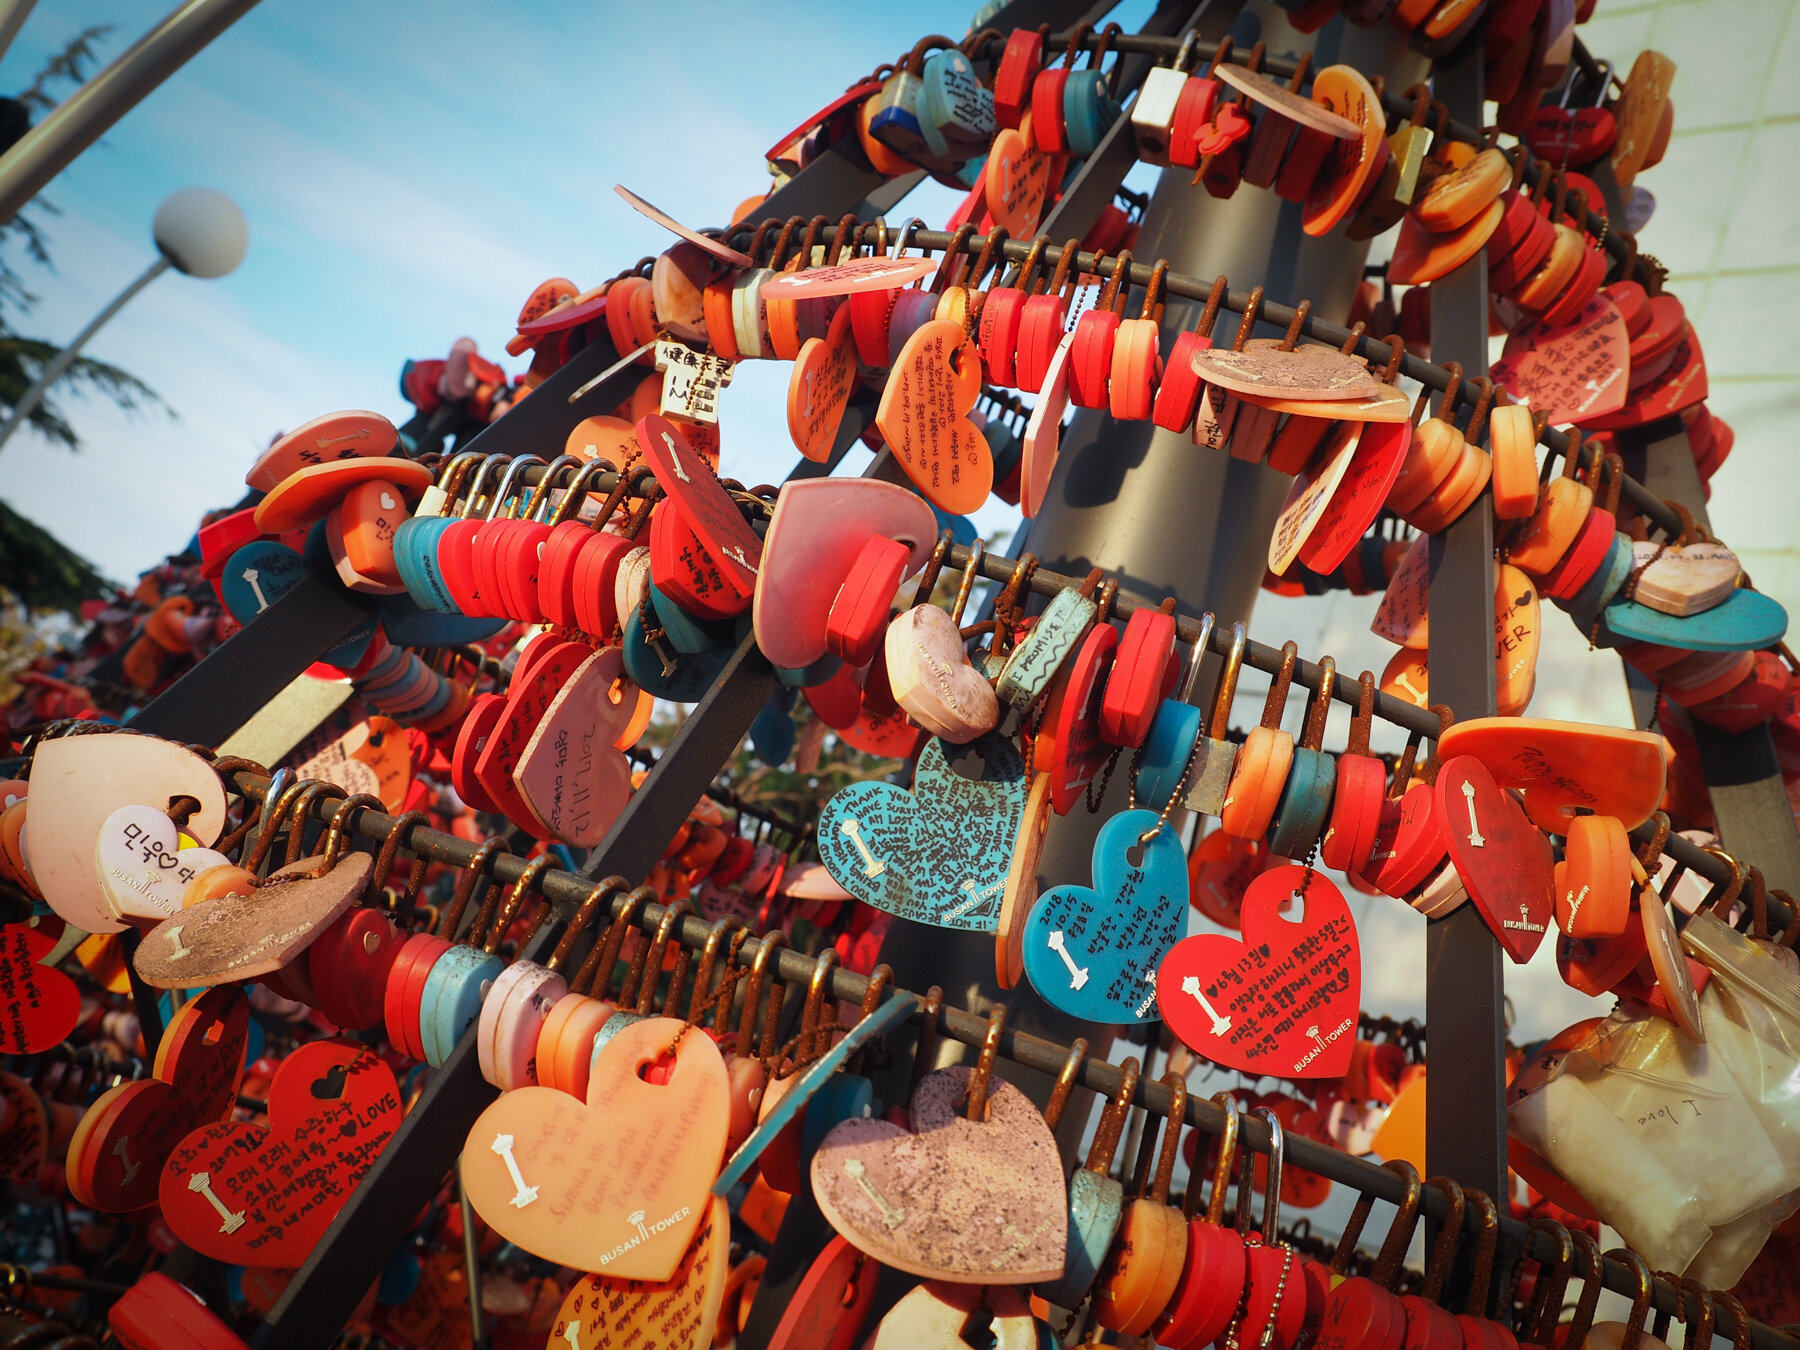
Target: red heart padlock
(265, 1196)
(1282, 1001)
(117, 1155)
(1502, 858)
(42, 1004)
(1228, 127)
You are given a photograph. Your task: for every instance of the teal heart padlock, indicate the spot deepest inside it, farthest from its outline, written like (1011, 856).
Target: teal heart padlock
(1162, 768)
(263, 571)
(1598, 590)
(956, 113)
(772, 731)
(1744, 621)
(1089, 108)
(1306, 797)
(1096, 1200)
(415, 541)
(683, 632)
(459, 980)
(940, 853)
(653, 663)
(1092, 952)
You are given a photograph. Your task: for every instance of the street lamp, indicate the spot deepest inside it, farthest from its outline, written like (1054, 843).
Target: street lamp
(197, 231)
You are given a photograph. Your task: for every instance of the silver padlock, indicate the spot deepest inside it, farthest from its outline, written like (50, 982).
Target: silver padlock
(1215, 757)
(895, 121)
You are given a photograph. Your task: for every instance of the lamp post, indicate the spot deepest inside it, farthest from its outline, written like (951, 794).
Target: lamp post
(197, 231)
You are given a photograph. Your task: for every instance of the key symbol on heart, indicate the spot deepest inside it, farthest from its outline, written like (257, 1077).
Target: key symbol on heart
(1191, 987)
(1078, 976)
(1475, 839)
(503, 1145)
(850, 829)
(230, 1220)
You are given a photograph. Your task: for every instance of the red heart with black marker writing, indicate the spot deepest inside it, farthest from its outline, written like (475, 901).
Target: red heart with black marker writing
(1284, 1000)
(42, 1004)
(264, 1196)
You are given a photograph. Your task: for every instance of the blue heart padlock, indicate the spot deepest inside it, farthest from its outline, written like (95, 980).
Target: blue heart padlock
(938, 854)
(1092, 952)
(407, 624)
(263, 571)
(1744, 621)
(772, 732)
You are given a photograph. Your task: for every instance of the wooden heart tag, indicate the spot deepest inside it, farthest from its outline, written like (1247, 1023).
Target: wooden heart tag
(616, 1185)
(970, 1202)
(1502, 858)
(1262, 367)
(239, 937)
(1284, 1000)
(1686, 580)
(260, 1196)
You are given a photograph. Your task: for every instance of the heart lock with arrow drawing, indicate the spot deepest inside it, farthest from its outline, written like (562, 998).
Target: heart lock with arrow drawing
(1502, 858)
(938, 854)
(1092, 952)
(1282, 1001)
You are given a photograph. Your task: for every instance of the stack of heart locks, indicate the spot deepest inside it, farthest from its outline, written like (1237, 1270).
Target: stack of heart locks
(654, 1070)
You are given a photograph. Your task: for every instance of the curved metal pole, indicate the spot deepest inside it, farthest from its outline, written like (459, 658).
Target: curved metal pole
(45, 150)
(66, 357)
(13, 14)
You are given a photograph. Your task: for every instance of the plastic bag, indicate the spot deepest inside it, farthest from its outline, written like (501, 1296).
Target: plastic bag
(1656, 1213)
(1678, 1098)
(1751, 1014)
(1654, 1131)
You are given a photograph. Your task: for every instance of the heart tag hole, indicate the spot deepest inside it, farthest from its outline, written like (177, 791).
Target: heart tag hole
(1293, 909)
(615, 692)
(978, 1331)
(957, 358)
(969, 765)
(371, 943)
(213, 1034)
(387, 502)
(657, 1071)
(1135, 856)
(331, 1086)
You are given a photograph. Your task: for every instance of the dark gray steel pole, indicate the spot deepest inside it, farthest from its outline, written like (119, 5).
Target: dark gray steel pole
(45, 150)
(1465, 989)
(1755, 818)
(1161, 514)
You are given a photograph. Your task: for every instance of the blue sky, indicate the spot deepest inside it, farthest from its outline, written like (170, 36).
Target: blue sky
(409, 171)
